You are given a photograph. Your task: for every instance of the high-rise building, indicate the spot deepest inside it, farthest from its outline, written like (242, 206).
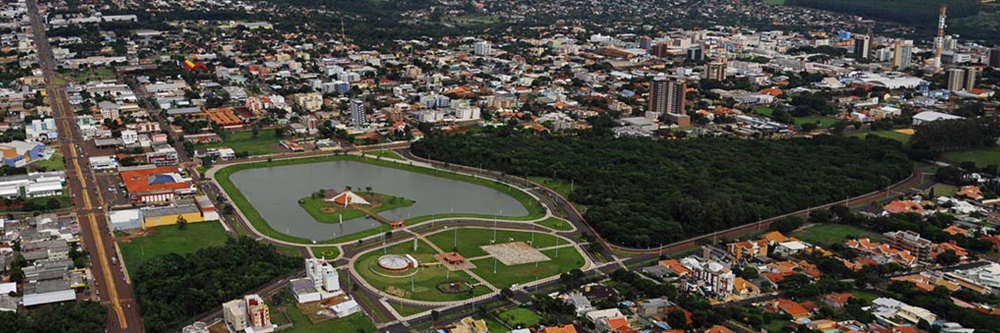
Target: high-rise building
(902, 54)
(667, 96)
(956, 79)
(971, 74)
(482, 48)
(862, 47)
(258, 313)
(661, 50)
(995, 57)
(358, 119)
(696, 53)
(715, 70)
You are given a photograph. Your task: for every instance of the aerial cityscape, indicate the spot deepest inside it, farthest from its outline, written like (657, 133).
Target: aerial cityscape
(500, 166)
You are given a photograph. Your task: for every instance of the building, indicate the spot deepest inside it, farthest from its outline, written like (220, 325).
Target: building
(709, 278)
(304, 290)
(358, 118)
(103, 163)
(162, 155)
(155, 185)
(995, 57)
(323, 275)
(41, 130)
(715, 70)
(902, 54)
(482, 48)
(186, 209)
(667, 96)
(962, 78)
(249, 314)
(47, 292)
(971, 74)
(862, 47)
(311, 102)
(909, 241)
(346, 308)
(932, 116)
(129, 219)
(748, 249)
(19, 153)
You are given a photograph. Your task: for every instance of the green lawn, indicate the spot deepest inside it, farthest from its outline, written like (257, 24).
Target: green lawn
(520, 317)
(506, 276)
(562, 187)
(84, 76)
(471, 239)
(424, 282)
(864, 295)
(556, 224)
(171, 239)
(384, 154)
(535, 209)
(828, 234)
(353, 323)
(406, 310)
(774, 2)
(495, 326)
(241, 141)
(822, 121)
(329, 252)
(945, 190)
(382, 202)
(54, 163)
(982, 157)
(888, 134)
(764, 111)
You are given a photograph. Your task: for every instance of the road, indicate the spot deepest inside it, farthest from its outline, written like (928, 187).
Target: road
(88, 202)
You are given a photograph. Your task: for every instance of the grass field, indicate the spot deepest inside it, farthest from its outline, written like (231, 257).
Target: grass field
(241, 141)
(520, 317)
(470, 240)
(384, 154)
(84, 76)
(823, 122)
(54, 163)
(864, 295)
(424, 282)
(828, 234)
(506, 276)
(495, 326)
(406, 310)
(562, 187)
(888, 134)
(354, 323)
(945, 190)
(763, 110)
(556, 224)
(774, 2)
(535, 209)
(329, 252)
(171, 239)
(381, 202)
(982, 157)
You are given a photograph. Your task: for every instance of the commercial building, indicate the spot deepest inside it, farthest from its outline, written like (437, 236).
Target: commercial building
(103, 163)
(129, 219)
(19, 153)
(156, 185)
(862, 47)
(346, 308)
(482, 48)
(249, 314)
(41, 130)
(32, 185)
(192, 210)
(162, 155)
(995, 57)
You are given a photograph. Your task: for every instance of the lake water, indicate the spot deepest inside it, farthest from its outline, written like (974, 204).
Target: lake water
(275, 192)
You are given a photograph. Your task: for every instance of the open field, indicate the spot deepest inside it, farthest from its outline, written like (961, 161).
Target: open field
(88, 75)
(982, 157)
(562, 187)
(774, 2)
(829, 233)
(353, 323)
(329, 212)
(520, 317)
(470, 240)
(535, 209)
(424, 283)
(888, 134)
(54, 163)
(171, 239)
(406, 310)
(241, 141)
(945, 190)
(506, 276)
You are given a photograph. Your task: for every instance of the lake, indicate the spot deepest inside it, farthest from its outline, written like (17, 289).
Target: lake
(275, 191)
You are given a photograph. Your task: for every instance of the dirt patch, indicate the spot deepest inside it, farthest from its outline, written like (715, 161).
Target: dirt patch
(515, 253)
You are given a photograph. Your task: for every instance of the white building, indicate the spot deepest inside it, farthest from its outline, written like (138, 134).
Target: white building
(346, 308)
(103, 163)
(323, 275)
(128, 219)
(932, 116)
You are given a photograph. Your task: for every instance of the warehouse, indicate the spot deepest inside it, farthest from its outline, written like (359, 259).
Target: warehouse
(156, 185)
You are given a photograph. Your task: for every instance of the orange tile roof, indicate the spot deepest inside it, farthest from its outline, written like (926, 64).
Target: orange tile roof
(839, 299)
(792, 308)
(971, 192)
(139, 181)
(718, 329)
(955, 230)
(564, 329)
(674, 265)
(223, 116)
(897, 206)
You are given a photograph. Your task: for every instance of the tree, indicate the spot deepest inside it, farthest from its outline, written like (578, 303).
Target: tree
(787, 224)
(189, 148)
(181, 222)
(750, 272)
(506, 293)
(677, 319)
(435, 315)
(255, 130)
(53, 204)
(948, 257)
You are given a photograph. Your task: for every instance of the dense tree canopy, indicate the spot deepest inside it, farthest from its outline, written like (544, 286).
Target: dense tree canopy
(641, 192)
(956, 134)
(83, 317)
(172, 289)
